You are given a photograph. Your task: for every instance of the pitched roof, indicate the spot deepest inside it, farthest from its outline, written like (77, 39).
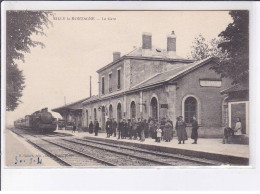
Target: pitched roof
(236, 88)
(154, 54)
(69, 106)
(92, 98)
(179, 70)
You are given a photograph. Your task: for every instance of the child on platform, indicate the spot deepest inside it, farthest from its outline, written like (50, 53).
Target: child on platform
(159, 134)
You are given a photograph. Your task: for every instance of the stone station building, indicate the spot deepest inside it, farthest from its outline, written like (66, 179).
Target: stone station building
(153, 82)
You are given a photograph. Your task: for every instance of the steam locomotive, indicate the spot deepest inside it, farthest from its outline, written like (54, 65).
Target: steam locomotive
(40, 121)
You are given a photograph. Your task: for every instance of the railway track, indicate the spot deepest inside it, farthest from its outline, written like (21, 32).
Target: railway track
(63, 155)
(164, 158)
(71, 151)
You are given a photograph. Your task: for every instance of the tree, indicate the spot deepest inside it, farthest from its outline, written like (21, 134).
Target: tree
(20, 26)
(202, 49)
(231, 48)
(236, 44)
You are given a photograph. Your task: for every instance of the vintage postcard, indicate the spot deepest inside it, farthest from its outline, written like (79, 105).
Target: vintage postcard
(127, 88)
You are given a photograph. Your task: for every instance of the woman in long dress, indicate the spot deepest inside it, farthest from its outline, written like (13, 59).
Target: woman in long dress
(238, 127)
(168, 131)
(181, 130)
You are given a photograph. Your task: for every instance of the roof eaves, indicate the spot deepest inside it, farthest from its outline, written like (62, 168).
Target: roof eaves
(188, 70)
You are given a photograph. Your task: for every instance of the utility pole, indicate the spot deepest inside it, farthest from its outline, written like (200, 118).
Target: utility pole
(90, 88)
(64, 100)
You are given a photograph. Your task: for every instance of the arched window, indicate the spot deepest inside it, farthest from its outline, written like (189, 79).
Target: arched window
(133, 110)
(190, 109)
(110, 111)
(119, 112)
(95, 114)
(154, 108)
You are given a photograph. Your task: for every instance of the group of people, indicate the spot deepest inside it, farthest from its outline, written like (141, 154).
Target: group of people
(237, 130)
(141, 129)
(130, 128)
(94, 127)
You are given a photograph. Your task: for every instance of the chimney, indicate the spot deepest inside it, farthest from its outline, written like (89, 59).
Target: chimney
(147, 40)
(146, 44)
(171, 45)
(116, 55)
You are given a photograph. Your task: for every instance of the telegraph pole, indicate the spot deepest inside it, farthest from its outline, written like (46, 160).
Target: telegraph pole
(90, 88)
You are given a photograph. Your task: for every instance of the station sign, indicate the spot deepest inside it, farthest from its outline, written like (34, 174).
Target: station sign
(210, 83)
(164, 105)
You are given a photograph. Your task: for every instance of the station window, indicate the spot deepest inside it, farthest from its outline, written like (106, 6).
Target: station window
(110, 82)
(190, 109)
(118, 78)
(103, 85)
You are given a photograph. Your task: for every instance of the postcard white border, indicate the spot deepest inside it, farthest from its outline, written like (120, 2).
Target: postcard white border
(143, 179)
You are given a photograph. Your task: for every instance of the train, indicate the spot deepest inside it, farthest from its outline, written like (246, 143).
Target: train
(40, 121)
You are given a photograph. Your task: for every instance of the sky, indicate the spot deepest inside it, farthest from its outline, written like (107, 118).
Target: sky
(76, 49)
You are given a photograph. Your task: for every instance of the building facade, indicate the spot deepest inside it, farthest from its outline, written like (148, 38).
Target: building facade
(152, 82)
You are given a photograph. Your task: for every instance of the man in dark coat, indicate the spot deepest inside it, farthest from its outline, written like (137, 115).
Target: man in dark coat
(108, 127)
(120, 129)
(114, 126)
(138, 129)
(146, 129)
(96, 127)
(90, 128)
(194, 133)
(130, 129)
(125, 129)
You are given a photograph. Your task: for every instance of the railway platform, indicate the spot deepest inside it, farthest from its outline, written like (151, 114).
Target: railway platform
(207, 147)
(19, 153)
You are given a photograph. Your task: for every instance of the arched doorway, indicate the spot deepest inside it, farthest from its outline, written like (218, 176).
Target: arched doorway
(103, 117)
(119, 112)
(133, 110)
(154, 108)
(110, 111)
(190, 109)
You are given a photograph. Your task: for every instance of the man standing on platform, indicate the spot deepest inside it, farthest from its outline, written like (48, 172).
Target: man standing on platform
(96, 127)
(114, 126)
(90, 128)
(120, 128)
(108, 127)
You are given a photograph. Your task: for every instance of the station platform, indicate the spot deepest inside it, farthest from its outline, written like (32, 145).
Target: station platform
(19, 153)
(207, 147)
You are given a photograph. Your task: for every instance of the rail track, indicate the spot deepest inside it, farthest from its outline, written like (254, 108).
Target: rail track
(64, 156)
(71, 151)
(164, 158)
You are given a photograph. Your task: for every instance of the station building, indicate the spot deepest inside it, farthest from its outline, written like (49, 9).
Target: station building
(156, 83)
(71, 112)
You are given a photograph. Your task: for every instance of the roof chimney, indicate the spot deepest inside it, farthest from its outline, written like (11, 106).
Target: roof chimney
(116, 55)
(171, 45)
(146, 43)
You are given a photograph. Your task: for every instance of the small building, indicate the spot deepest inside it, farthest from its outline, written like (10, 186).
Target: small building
(237, 106)
(150, 82)
(71, 112)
